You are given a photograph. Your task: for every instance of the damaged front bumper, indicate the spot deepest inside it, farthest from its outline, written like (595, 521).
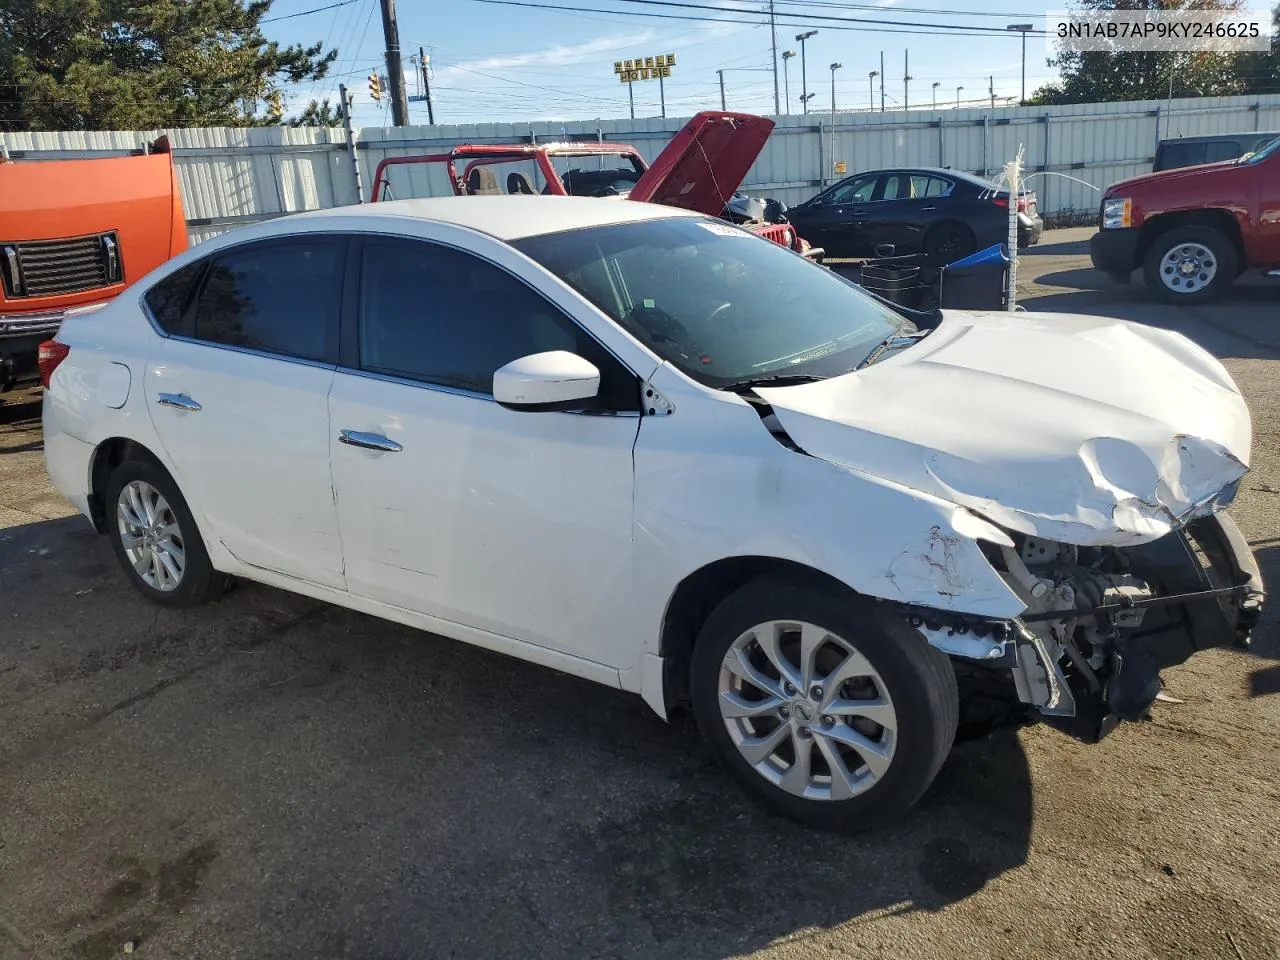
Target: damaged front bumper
(1209, 593)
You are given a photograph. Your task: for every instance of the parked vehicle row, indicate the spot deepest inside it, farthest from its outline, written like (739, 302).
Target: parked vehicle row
(639, 445)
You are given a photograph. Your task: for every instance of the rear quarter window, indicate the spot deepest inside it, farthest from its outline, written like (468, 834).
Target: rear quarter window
(168, 300)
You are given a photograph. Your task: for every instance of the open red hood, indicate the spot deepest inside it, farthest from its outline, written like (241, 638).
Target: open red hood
(705, 162)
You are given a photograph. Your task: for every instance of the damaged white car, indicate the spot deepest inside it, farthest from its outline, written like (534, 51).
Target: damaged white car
(648, 448)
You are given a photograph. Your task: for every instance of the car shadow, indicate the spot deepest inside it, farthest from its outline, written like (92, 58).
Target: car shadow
(346, 784)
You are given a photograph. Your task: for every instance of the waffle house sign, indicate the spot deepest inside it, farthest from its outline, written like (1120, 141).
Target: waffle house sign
(644, 68)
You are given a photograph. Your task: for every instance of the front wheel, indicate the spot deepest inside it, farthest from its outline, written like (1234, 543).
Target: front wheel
(1190, 264)
(828, 710)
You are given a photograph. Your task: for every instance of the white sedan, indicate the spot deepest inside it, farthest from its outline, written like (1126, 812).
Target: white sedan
(648, 448)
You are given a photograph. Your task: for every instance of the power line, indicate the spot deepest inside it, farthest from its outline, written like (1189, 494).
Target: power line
(873, 26)
(307, 13)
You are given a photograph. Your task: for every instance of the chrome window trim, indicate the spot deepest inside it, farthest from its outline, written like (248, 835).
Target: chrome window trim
(251, 351)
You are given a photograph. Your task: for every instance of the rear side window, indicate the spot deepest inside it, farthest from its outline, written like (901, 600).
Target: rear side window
(281, 297)
(168, 300)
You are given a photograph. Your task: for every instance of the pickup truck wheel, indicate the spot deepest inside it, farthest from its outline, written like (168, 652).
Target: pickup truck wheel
(1190, 264)
(156, 539)
(828, 710)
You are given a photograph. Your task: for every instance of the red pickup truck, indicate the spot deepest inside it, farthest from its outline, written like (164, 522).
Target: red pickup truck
(1193, 230)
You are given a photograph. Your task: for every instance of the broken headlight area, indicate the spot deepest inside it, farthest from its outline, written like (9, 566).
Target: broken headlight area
(1102, 622)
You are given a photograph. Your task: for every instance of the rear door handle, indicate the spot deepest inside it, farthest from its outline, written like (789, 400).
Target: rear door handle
(369, 441)
(179, 401)
(928, 209)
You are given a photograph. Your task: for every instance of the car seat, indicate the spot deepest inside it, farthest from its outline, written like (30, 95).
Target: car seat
(482, 181)
(518, 183)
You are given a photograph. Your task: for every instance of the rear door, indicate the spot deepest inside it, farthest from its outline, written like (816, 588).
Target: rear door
(238, 393)
(906, 205)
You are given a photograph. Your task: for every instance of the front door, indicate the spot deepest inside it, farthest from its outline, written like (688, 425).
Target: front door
(238, 393)
(836, 223)
(515, 523)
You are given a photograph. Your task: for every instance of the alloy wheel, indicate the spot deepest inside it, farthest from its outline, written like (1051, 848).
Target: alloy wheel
(807, 710)
(150, 536)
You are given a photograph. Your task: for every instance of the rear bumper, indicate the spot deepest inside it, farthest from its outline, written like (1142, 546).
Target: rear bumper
(68, 461)
(1115, 252)
(1030, 230)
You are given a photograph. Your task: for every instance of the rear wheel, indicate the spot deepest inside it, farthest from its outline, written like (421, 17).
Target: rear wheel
(948, 242)
(828, 710)
(1190, 264)
(156, 539)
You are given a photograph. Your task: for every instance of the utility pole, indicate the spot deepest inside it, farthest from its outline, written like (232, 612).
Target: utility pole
(871, 89)
(1022, 28)
(344, 99)
(722, 106)
(804, 68)
(834, 68)
(882, 81)
(426, 86)
(906, 80)
(395, 70)
(631, 98)
(773, 37)
(662, 97)
(991, 89)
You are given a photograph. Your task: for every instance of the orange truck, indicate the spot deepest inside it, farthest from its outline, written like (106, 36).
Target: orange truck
(73, 235)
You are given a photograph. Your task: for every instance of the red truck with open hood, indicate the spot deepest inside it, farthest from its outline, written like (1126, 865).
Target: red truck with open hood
(73, 235)
(700, 169)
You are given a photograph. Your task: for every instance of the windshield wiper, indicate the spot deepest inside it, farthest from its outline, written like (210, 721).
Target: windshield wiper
(773, 380)
(896, 339)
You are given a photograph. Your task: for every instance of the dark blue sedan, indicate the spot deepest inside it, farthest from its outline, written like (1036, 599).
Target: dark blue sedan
(945, 214)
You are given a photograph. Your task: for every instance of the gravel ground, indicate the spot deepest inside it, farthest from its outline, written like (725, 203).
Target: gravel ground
(273, 777)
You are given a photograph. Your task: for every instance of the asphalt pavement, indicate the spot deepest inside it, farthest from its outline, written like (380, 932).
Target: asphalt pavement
(271, 777)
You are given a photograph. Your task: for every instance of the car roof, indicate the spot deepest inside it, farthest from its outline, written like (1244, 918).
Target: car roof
(928, 171)
(505, 217)
(1207, 137)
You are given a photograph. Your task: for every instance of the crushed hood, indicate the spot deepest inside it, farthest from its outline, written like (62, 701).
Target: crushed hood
(1081, 430)
(705, 162)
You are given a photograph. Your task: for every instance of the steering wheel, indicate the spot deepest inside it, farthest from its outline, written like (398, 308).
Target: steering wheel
(717, 311)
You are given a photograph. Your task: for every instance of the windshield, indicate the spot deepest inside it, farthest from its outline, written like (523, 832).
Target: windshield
(724, 306)
(1262, 154)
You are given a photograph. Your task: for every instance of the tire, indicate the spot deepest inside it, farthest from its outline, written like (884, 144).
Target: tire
(133, 482)
(948, 242)
(1169, 266)
(916, 680)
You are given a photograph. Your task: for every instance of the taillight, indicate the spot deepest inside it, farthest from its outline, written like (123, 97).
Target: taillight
(1000, 201)
(51, 353)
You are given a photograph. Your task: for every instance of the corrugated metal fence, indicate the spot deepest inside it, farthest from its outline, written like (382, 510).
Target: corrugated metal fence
(231, 176)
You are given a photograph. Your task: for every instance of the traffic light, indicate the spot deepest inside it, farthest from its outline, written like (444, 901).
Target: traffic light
(375, 86)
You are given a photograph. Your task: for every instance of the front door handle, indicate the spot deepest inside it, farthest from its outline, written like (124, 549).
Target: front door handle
(370, 441)
(928, 209)
(179, 401)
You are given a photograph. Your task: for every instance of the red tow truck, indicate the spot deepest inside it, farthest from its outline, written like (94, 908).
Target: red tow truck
(1193, 230)
(700, 169)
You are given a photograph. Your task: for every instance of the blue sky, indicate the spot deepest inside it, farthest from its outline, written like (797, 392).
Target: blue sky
(493, 63)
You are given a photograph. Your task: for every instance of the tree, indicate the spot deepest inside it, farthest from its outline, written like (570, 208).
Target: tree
(141, 64)
(316, 115)
(1103, 76)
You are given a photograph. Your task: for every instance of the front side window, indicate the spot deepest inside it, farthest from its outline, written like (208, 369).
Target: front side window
(856, 191)
(280, 297)
(444, 316)
(722, 305)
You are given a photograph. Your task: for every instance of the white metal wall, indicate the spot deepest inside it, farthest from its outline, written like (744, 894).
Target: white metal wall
(230, 175)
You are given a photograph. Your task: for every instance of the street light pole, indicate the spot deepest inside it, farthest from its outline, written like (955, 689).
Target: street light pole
(991, 89)
(906, 79)
(834, 68)
(786, 79)
(936, 85)
(871, 89)
(722, 106)
(804, 68)
(958, 89)
(773, 39)
(1022, 28)
(882, 81)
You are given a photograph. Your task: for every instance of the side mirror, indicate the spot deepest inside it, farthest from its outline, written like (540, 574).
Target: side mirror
(556, 380)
